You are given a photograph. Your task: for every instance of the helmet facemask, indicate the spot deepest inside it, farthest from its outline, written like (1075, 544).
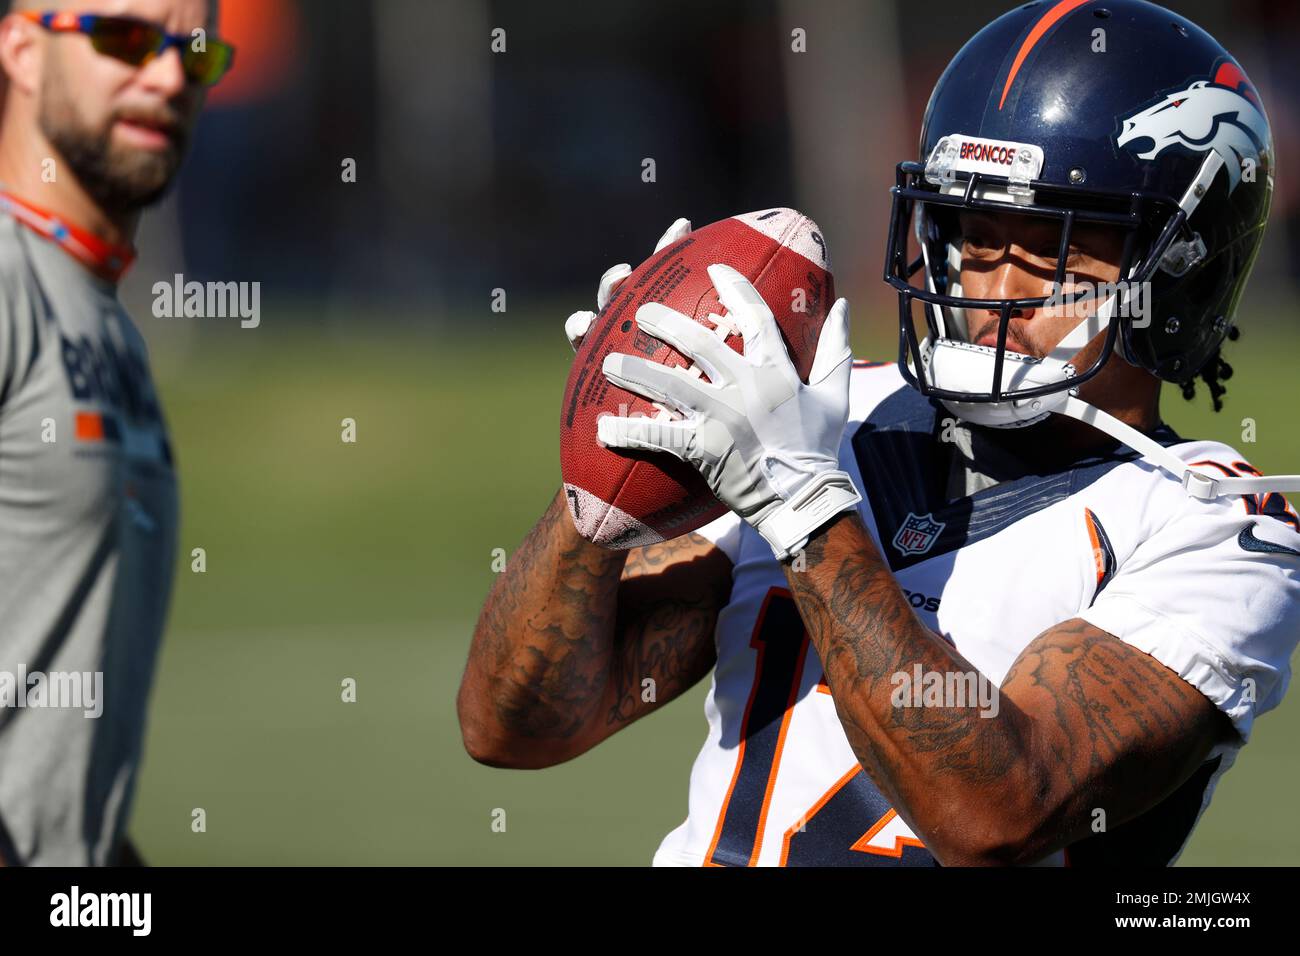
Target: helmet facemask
(990, 384)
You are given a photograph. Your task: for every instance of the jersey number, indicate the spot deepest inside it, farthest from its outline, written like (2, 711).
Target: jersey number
(852, 824)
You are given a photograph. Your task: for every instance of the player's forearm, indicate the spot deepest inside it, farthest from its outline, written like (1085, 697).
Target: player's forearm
(540, 658)
(963, 781)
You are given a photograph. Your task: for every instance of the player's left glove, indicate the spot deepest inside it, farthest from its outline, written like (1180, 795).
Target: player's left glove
(576, 325)
(766, 443)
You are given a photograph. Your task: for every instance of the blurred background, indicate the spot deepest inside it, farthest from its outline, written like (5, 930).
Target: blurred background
(518, 171)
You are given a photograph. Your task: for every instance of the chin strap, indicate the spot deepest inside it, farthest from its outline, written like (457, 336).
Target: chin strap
(1195, 483)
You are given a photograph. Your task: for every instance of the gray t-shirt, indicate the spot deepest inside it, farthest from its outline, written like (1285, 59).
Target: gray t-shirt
(88, 521)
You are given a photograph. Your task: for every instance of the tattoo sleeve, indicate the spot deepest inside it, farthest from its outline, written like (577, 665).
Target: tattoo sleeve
(1082, 720)
(574, 641)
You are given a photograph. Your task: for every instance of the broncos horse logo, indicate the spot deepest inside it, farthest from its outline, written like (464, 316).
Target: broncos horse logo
(1221, 115)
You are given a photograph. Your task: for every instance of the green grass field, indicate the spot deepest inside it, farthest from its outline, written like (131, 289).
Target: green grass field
(328, 561)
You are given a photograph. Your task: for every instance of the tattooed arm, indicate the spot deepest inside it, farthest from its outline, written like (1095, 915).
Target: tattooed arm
(1083, 721)
(570, 632)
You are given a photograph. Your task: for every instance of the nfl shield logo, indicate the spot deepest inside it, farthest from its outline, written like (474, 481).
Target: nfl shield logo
(918, 534)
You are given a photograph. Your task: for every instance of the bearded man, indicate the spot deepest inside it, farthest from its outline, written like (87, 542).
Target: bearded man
(98, 103)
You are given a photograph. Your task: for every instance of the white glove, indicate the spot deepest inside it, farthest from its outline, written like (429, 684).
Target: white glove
(767, 444)
(576, 325)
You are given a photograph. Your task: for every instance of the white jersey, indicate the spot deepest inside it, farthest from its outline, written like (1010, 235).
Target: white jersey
(1211, 590)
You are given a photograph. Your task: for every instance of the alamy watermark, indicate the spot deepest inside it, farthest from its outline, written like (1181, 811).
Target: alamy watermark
(179, 299)
(72, 690)
(923, 688)
(661, 430)
(128, 910)
(1132, 299)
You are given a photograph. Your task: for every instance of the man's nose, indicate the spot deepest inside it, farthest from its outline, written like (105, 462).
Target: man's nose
(165, 73)
(1012, 280)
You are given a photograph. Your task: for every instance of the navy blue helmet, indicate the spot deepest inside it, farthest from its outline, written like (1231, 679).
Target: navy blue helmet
(1082, 111)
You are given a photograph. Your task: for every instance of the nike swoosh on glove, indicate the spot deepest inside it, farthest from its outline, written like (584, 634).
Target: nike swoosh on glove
(766, 443)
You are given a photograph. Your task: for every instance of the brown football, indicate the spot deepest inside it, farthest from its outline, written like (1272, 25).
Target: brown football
(625, 499)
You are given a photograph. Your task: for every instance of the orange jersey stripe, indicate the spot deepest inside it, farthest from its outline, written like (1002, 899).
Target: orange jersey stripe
(1091, 521)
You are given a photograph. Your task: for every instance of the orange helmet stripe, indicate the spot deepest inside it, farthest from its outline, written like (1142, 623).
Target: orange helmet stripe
(1036, 34)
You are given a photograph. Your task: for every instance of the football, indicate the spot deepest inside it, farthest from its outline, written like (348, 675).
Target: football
(626, 499)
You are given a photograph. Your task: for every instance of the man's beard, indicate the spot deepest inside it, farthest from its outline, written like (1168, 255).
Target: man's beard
(120, 180)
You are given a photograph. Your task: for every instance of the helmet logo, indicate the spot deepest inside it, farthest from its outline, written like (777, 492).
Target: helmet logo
(1220, 115)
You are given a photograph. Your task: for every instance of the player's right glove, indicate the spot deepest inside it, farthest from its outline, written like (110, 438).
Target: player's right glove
(766, 443)
(576, 325)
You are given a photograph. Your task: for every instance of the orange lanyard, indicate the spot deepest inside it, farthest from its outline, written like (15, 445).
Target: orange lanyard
(102, 258)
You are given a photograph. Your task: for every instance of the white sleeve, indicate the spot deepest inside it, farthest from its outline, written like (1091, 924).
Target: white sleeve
(725, 533)
(1214, 595)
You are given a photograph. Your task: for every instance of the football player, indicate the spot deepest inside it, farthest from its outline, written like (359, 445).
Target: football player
(99, 97)
(981, 606)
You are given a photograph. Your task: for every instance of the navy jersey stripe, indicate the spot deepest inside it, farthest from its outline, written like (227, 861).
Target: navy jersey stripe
(904, 466)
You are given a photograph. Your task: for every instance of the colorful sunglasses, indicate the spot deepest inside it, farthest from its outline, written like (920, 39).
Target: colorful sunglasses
(136, 42)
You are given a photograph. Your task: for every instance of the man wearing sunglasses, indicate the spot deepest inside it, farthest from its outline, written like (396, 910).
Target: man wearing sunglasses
(99, 99)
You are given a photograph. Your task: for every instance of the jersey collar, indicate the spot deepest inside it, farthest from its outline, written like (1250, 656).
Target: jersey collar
(106, 260)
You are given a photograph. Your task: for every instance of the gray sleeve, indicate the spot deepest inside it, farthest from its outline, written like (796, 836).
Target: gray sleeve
(20, 303)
